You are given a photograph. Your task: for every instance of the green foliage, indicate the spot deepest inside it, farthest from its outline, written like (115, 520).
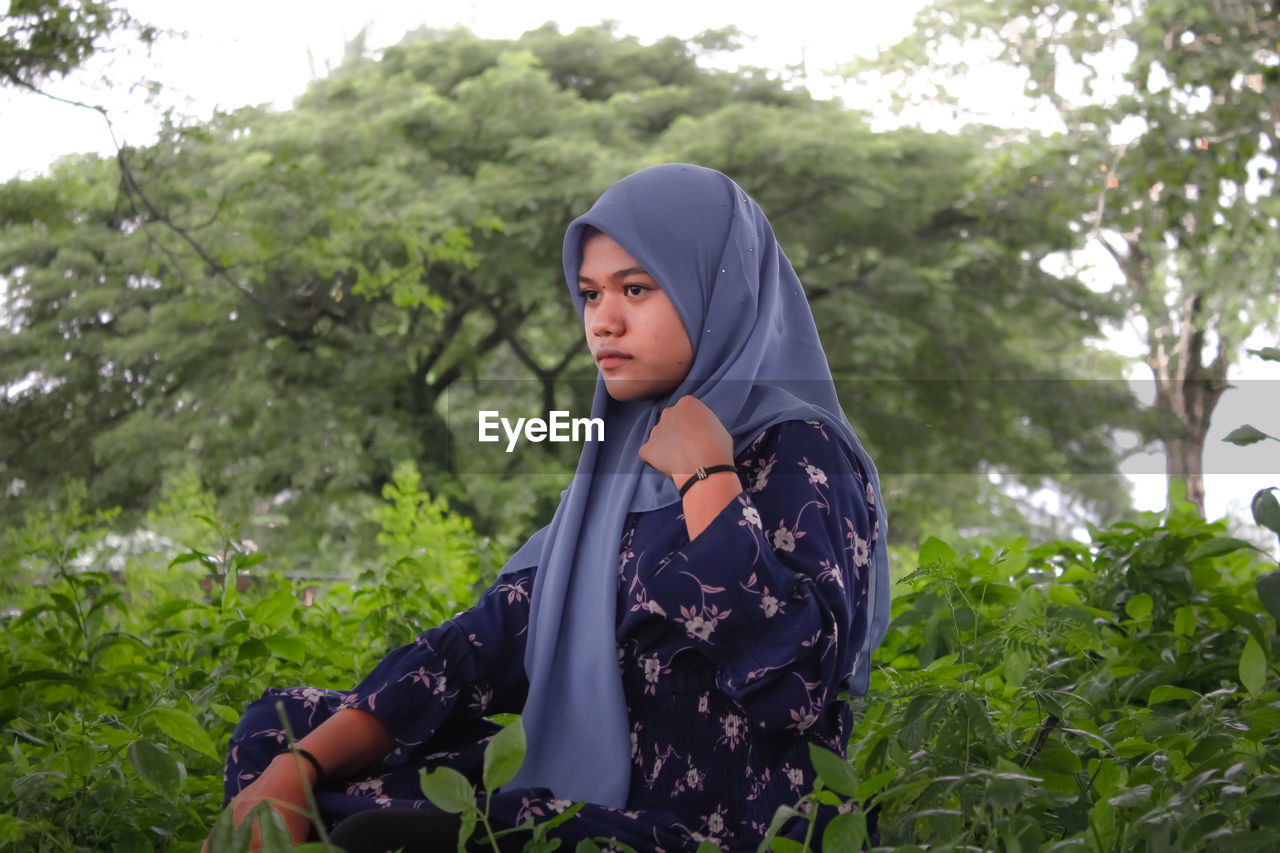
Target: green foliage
(283, 307)
(450, 791)
(1120, 695)
(118, 692)
(46, 39)
(1166, 169)
(1116, 696)
(420, 538)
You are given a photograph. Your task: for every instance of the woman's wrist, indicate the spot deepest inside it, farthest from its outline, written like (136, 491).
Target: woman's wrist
(299, 765)
(707, 498)
(686, 482)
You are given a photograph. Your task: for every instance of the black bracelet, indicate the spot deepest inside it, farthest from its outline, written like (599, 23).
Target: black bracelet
(704, 473)
(314, 763)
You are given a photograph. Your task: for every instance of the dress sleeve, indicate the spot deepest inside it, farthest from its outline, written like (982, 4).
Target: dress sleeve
(464, 668)
(774, 590)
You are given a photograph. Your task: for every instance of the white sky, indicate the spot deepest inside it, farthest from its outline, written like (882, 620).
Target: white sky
(237, 52)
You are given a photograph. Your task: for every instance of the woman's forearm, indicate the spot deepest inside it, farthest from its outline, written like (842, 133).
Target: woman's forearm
(705, 500)
(348, 742)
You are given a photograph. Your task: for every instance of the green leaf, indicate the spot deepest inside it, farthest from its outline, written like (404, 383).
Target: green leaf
(156, 766)
(272, 612)
(1268, 587)
(586, 845)
(870, 786)
(846, 831)
(275, 836)
(552, 823)
(1135, 797)
(1253, 667)
(934, 550)
(467, 829)
(786, 845)
(828, 798)
(1056, 759)
(1269, 353)
(1266, 510)
(252, 649)
(781, 815)
(837, 773)
(1166, 693)
(183, 728)
(504, 755)
(708, 846)
(1218, 546)
(447, 789)
(51, 675)
(222, 837)
(248, 561)
(1017, 664)
(1109, 776)
(1064, 595)
(287, 647)
(1245, 435)
(1184, 621)
(1139, 606)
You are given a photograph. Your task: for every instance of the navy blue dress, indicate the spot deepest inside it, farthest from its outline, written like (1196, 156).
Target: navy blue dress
(731, 647)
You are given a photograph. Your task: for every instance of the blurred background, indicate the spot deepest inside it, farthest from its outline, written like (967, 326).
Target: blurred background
(257, 258)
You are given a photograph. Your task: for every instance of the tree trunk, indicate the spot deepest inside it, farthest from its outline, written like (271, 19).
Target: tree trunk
(1189, 390)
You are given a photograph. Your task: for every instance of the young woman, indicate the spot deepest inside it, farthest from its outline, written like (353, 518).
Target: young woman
(713, 578)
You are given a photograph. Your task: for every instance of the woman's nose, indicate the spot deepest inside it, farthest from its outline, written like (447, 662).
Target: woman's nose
(607, 318)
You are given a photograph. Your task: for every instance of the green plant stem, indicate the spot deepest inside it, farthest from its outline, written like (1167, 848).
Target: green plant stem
(813, 821)
(81, 623)
(302, 772)
(484, 818)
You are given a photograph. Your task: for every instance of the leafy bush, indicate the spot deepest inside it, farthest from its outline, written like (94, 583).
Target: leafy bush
(117, 700)
(1116, 696)
(1121, 695)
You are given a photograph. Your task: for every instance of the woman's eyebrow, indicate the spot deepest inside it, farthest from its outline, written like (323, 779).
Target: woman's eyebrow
(617, 274)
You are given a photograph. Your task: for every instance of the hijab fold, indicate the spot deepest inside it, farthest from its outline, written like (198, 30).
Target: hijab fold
(757, 362)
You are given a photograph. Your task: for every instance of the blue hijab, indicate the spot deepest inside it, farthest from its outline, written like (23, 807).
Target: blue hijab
(757, 362)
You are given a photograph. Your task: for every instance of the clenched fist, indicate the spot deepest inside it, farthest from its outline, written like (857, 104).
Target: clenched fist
(687, 436)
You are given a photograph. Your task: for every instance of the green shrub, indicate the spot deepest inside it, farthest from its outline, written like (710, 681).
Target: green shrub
(1120, 695)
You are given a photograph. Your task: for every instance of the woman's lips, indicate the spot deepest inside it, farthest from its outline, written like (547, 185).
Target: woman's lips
(610, 361)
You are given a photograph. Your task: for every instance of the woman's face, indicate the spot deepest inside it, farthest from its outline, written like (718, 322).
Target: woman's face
(635, 333)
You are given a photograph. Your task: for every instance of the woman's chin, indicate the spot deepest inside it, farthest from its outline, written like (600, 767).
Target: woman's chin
(630, 390)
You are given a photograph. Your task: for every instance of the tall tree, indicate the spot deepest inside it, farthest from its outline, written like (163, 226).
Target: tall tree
(1174, 166)
(299, 301)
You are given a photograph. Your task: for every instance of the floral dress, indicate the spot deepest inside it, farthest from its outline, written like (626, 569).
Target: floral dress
(732, 650)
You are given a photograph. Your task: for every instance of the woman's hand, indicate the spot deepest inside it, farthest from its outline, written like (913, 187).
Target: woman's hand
(280, 783)
(687, 437)
(346, 743)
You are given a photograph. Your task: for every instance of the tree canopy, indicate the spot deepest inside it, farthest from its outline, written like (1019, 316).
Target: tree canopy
(46, 39)
(1171, 167)
(291, 304)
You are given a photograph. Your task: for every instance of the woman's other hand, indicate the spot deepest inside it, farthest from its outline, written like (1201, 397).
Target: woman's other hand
(346, 743)
(688, 436)
(282, 784)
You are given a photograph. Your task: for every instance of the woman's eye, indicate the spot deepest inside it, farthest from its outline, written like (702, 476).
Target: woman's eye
(588, 295)
(635, 289)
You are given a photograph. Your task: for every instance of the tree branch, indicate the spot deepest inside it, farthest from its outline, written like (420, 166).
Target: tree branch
(1047, 726)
